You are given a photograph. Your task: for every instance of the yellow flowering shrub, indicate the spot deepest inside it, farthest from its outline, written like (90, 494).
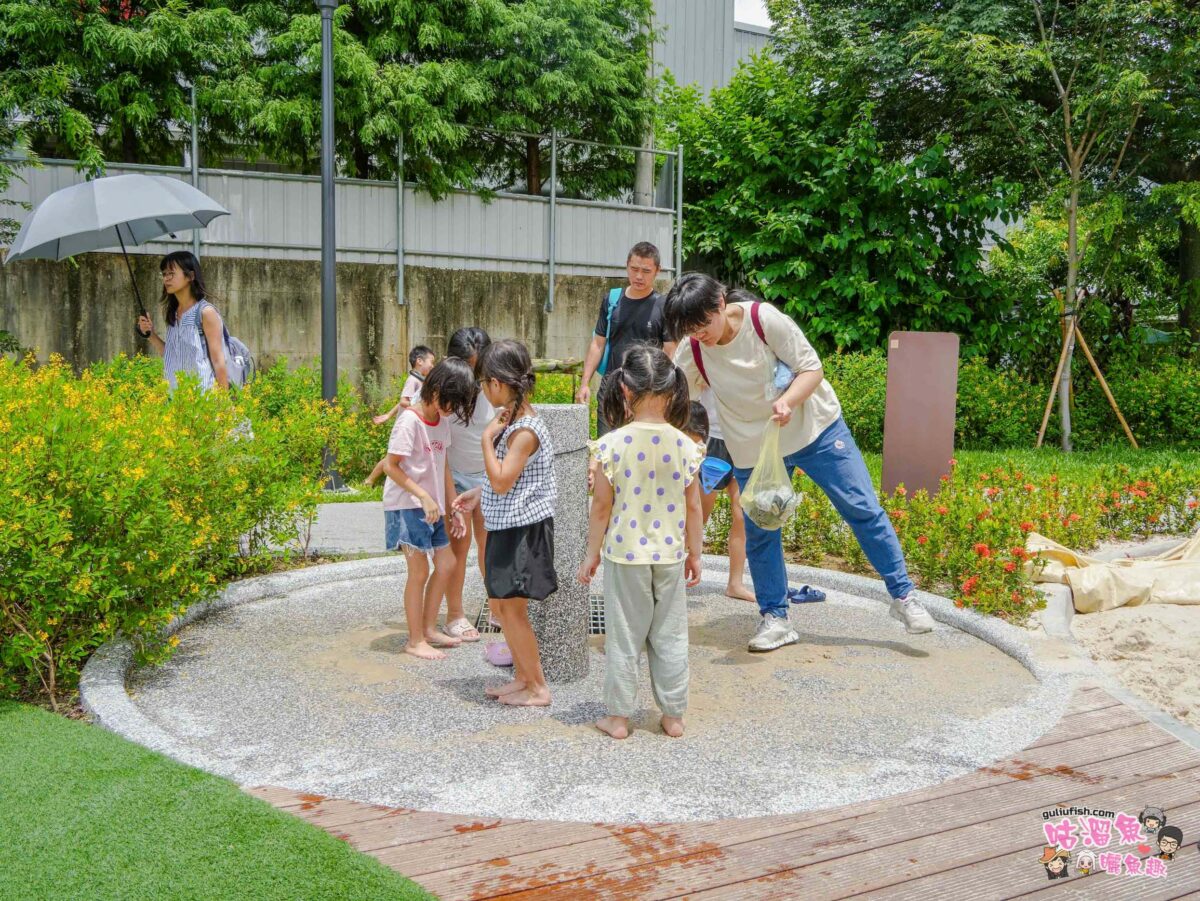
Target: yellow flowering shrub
(120, 506)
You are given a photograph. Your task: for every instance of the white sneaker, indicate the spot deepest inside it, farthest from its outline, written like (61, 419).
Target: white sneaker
(773, 632)
(916, 618)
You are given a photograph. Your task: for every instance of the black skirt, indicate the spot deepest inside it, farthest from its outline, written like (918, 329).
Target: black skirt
(520, 562)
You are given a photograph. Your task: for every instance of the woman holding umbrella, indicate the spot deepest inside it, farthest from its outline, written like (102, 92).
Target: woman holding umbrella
(194, 342)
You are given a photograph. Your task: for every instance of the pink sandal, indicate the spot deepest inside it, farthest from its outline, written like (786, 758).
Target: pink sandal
(497, 654)
(462, 629)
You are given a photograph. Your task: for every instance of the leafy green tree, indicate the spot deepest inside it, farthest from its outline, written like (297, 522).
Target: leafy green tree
(109, 79)
(449, 75)
(1129, 269)
(788, 188)
(12, 142)
(984, 73)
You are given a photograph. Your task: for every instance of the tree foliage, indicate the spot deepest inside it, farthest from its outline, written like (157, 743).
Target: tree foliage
(1048, 93)
(100, 80)
(97, 80)
(789, 188)
(1128, 281)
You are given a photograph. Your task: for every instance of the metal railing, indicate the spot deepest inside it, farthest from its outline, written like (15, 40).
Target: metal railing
(561, 220)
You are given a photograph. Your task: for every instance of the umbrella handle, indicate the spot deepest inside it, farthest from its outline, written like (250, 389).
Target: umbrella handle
(129, 266)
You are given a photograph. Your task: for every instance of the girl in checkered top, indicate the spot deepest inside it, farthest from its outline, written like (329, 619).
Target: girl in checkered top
(518, 510)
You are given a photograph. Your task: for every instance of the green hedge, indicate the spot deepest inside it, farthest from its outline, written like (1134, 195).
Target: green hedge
(999, 409)
(122, 506)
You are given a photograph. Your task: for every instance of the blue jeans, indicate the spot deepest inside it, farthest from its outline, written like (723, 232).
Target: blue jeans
(834, 462)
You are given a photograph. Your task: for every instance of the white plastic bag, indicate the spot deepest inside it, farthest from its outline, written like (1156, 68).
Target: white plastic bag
(769, 499)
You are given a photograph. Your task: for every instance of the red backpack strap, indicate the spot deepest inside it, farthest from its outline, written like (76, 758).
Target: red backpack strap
(699, 360)
(757, 322)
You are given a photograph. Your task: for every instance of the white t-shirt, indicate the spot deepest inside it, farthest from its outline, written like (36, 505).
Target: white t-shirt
(714, 420)
(412, 387)
(742, 374)
(466, 441)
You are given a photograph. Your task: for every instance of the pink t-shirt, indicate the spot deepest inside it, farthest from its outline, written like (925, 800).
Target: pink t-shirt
(423, 446)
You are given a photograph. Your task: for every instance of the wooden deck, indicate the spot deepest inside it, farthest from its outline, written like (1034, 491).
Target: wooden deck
(977, 836)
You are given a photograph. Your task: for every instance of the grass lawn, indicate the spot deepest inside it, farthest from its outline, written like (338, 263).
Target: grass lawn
(86, 814)
(361, 494)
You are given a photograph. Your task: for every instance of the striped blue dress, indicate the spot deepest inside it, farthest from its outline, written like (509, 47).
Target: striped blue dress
(184, 351)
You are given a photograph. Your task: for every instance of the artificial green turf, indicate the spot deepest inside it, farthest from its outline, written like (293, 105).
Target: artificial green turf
(85, 814)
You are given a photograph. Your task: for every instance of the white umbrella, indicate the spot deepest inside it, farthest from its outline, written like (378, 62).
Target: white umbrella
(110, 212)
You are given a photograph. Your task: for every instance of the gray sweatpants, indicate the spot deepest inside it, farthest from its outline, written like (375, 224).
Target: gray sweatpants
(645, 606)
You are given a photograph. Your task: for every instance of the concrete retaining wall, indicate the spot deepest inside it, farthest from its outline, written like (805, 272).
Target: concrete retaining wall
(85, 311)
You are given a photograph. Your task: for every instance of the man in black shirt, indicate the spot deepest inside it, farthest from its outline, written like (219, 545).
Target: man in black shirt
(637, 319)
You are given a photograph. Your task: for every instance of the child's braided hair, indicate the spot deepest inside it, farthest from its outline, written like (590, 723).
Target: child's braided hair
(507, 361)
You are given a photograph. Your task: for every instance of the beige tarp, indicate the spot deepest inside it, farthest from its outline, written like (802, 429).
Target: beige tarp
(1172, 577)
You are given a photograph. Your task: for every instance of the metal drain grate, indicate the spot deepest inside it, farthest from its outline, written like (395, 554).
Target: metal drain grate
(595, 617)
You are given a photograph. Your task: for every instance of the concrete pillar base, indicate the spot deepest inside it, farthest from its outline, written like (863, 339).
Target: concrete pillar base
(561, 621)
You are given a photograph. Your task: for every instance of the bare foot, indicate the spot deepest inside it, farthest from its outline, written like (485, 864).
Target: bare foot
(425, 651)
(441, 640)
(673, 726)
(738, 592)
(527, 697)
(499, 691)
(616, 726)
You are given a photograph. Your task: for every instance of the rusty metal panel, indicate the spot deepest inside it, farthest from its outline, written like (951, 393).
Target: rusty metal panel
(918, 427)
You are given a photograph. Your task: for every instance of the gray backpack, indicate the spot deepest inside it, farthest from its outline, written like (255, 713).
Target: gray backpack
(239, 362)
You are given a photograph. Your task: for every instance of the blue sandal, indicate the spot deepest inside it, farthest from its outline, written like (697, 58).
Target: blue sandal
(805, 595)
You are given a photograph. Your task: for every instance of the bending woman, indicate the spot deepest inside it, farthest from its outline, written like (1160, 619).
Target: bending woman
(192, 323)
(718, 335)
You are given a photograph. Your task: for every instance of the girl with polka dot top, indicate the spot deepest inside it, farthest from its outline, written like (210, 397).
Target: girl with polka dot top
(646, 525)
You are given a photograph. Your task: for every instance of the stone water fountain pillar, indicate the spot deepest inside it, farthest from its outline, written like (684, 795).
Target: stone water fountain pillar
(561, 621)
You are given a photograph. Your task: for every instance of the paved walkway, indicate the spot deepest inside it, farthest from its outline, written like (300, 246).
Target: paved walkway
(351, 528)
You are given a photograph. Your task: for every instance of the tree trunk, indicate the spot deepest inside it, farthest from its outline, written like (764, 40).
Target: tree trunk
(1064, 389)
(1189, 279)
(643, 179)
(533, 166)
(362, 161)
(129, 145)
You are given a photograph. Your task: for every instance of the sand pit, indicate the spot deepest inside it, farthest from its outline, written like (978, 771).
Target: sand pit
(1154, 651)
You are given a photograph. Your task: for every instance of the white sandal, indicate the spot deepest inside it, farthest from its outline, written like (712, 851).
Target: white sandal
(462, 629)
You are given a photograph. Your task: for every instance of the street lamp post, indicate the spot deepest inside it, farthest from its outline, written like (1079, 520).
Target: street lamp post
(328, 233)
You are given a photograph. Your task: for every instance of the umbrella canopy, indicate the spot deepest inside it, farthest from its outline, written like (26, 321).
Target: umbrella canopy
(110, 212)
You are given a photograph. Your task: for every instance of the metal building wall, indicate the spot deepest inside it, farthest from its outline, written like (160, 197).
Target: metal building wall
(696, 41)
(278, 216)
(749, 40)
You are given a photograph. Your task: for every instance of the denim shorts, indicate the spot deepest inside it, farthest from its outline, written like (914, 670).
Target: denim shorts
(465, 481)
(408, 529)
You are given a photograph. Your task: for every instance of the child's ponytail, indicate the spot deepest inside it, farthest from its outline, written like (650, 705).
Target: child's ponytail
(679, 407)
(647, 371)
(610, 400)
